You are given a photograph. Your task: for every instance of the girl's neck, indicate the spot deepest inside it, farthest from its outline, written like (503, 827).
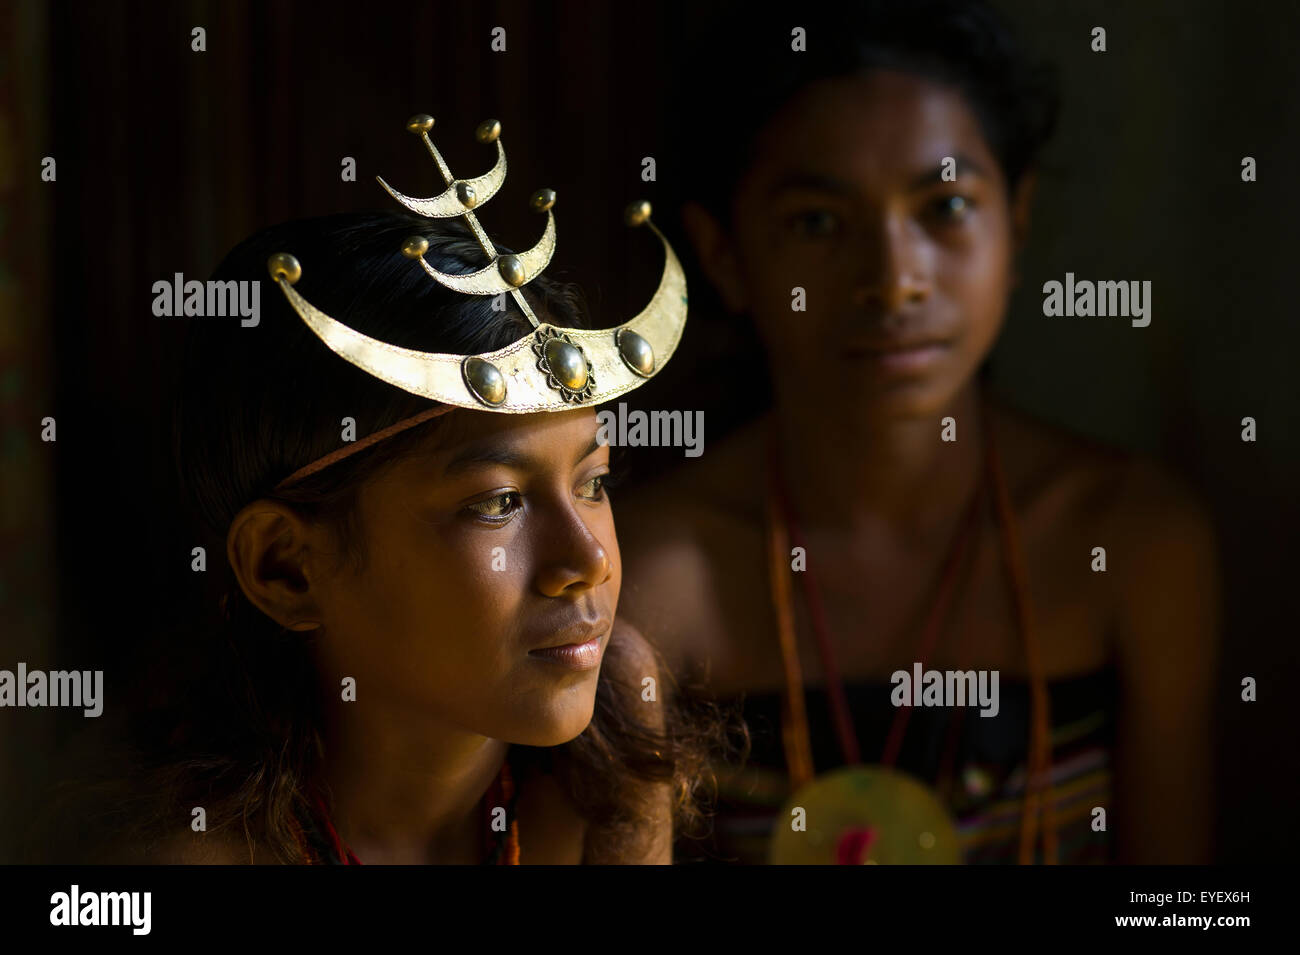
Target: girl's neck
(872, 479)
(407, 790)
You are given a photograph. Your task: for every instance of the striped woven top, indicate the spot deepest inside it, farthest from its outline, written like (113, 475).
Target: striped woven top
(976, 763)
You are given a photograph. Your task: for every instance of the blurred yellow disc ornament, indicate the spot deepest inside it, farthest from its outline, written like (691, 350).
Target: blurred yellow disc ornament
(864, 815)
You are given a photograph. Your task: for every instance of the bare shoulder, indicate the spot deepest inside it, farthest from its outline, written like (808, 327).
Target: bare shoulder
(1154, 498)
(1157, 532)
(1171, 597)
(683, 534)
(717, 486)
(1134, 490)
(1048, 464)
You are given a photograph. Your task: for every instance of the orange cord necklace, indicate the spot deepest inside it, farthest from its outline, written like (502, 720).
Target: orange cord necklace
(783, 529)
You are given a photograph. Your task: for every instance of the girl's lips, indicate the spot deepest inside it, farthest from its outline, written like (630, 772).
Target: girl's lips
(575, 656)
(914, 358)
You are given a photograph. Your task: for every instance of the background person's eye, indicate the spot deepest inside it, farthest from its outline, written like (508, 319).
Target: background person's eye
(498, 507)
(951, 208)
(594, 489)
(816, 223)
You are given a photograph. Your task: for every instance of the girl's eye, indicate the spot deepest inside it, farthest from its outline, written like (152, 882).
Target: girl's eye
(816, 223)
(952, 208)
(593, 490)
(501, 506)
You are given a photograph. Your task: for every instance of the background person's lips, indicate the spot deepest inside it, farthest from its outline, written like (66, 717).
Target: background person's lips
(877, 346)
(917, 357)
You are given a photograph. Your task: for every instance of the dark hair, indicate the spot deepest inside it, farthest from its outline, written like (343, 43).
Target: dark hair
(745, 71)
(238, 728)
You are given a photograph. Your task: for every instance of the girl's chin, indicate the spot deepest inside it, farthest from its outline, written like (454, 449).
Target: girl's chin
(554, 731)
(548, 740)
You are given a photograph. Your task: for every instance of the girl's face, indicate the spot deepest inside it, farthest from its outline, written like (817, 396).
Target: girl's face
(483, 551)
(905, 276)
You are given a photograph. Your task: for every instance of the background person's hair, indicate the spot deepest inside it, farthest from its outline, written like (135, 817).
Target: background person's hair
(234, 724)
(744, 72)
(741, 71)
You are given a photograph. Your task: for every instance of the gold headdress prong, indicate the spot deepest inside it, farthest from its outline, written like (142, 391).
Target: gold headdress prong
(282, 265)
(419, 123)
(415, 247)
(547, 370)
(637, 213)
(542, 200)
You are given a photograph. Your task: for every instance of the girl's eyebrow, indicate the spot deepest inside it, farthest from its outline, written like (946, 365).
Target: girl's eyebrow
(474, 456)
(590, 449)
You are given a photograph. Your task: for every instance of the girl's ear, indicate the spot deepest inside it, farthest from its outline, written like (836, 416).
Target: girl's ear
(1021, 203)
(716, 254)
(269, 546)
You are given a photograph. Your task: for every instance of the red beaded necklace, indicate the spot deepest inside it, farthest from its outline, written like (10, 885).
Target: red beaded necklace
(324, 846)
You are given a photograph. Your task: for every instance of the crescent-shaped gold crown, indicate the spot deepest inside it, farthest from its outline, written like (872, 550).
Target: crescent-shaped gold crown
(549, 369)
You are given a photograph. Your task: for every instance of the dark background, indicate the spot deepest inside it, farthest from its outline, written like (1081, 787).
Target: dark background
(168, 157)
